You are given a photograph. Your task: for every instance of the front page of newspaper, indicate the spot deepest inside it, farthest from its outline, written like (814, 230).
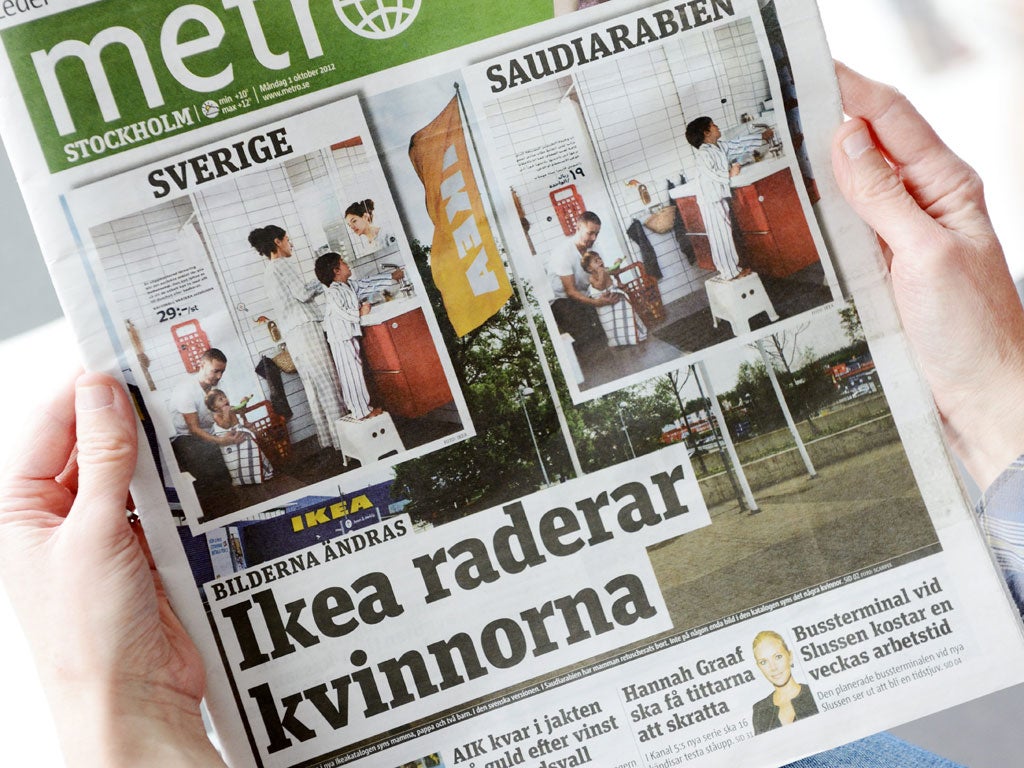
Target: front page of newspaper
(518, 389)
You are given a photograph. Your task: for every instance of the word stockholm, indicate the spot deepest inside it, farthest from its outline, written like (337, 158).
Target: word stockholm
(127, 135)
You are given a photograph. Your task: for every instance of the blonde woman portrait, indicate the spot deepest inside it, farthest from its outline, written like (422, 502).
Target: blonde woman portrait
(790, 701)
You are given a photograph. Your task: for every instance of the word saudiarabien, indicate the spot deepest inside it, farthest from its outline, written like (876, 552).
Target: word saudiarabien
(600, 44)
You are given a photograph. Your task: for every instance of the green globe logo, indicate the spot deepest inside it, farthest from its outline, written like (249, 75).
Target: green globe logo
(377, 19)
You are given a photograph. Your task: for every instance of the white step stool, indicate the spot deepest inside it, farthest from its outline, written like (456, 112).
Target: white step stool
(367, 439)
(736, 301)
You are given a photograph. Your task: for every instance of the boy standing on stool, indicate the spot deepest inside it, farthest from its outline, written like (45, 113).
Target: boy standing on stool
(714, 195)
(344, 307)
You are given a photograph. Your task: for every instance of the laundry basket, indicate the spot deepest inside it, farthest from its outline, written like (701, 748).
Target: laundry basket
(643, 293)
(271, 432)
(662, 220)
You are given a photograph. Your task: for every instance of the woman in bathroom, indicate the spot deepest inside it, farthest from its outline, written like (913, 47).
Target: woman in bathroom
(299, 319)
(371, 235)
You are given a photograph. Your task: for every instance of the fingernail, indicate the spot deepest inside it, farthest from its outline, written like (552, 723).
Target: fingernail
(857, 143)
(94, 398)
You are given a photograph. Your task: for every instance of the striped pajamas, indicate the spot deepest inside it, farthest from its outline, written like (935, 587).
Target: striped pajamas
(299, 320)
(245, 461)
(718, 222)
(349, 362)
(341, 322)
(319, 379)
(714, 198)
(1001, 514)
(620, 322)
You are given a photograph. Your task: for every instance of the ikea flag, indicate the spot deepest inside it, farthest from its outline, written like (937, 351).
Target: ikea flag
(464, 259)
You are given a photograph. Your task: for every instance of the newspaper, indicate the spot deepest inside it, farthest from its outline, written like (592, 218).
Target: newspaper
(483, 430)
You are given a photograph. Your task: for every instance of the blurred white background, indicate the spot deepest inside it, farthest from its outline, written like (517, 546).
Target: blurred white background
(961, 63)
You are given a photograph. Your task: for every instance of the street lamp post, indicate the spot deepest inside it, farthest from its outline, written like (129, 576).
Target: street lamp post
(625, 431)
(524, 391)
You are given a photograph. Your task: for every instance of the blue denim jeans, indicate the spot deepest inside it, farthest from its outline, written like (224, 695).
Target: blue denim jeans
(879, 751)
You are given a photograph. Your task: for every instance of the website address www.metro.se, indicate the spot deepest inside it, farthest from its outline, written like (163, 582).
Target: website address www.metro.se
(295, 88)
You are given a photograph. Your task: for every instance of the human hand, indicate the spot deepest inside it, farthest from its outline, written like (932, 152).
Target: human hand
(734, 169)
(123, 678)
(954, 292)
(398, 274)
(365, 308)
(228, 438)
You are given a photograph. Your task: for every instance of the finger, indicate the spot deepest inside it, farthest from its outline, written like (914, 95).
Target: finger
(106, 448)
(937, 180)
(69, 478)
(140, 535)
(907, 137)
(876, 192)
(48, 440)
(69, 475)
(31, 500)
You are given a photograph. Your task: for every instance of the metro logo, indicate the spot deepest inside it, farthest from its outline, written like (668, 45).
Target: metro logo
(174, 51)
(93, 69)
(89, 55)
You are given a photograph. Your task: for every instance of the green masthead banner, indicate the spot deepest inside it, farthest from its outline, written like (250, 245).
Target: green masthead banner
(117, 74)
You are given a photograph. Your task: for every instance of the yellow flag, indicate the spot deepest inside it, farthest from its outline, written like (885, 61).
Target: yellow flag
(464, 258)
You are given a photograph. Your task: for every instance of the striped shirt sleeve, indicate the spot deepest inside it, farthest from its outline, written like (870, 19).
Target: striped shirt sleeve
(365, 287)
(1001, 514)
(290, 295)
(741, 144)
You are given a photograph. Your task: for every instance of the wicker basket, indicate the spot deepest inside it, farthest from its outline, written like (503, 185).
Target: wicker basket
(271, 432)
(283, 360)
(643, 293)
(661, 221)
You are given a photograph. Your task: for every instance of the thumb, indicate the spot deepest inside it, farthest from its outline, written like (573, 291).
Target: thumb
(876, 191)
(105, 428)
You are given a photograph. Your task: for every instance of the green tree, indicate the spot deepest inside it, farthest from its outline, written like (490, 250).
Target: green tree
(499, 463)
(752, 400)
(689, 414)
(619, 426)
(850, 321)
(783, 351)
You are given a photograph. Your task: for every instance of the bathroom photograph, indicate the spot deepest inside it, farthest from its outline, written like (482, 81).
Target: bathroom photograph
(278, 329)
(689, 199)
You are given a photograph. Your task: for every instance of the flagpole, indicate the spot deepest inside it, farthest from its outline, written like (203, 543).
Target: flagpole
(549, 378)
